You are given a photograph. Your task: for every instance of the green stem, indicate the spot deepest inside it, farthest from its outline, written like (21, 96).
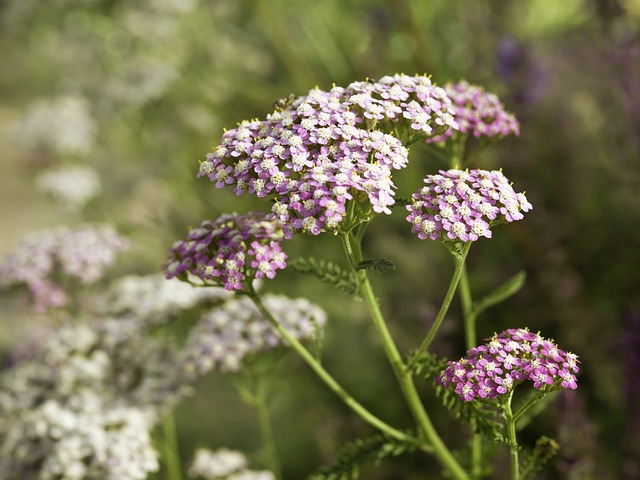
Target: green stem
(266, 431)
(403, 375)
(511, 436)
(171, 453)
(468, 315)
(469, 320)
(329, 380)
(446, 303)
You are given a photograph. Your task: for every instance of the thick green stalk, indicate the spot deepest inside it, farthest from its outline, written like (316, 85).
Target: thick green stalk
(469, 320)
(266, 432)
(446, 303)
(328, 380)
(402, 373)
(171, 453)
(511, 436)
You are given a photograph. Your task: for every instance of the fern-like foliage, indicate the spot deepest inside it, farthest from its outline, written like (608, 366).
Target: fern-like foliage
(380, 265)
(545, 449)
(401, 202)
(361, 452)
(327, 272)
(482, 417)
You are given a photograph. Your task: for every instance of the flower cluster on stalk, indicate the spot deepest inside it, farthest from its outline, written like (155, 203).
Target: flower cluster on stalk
(315, 152)
(82, 403)
(506, 360)
(230, 251)
(154, 300)
(478, 113)
(462, 205)
(235, 330)
(43, 261)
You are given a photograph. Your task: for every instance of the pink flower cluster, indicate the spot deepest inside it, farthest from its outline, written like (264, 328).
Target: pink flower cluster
(462, 205)
(45, 258)
(230, 250)
(510, 358)
(478, 113)
(315, 152)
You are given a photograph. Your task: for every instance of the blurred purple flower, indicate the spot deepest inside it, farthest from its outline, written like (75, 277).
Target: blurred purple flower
(523, 73)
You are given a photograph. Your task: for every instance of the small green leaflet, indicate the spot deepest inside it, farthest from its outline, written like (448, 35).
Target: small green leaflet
(356, 454)
(501, 293)
(327, 272)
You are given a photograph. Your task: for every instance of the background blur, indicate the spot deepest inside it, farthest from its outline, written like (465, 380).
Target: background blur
(139, 91)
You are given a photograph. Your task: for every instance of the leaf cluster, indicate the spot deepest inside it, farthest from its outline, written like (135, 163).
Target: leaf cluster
(544, 450)
(361, 452)
(327, 272)
(381, 265)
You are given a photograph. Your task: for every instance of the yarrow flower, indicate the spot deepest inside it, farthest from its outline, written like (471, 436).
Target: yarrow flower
(230, 251)
(314, 153)
(82, 253)
(224, 464)
(478, 113)
(463, 205)
(82, 402)
(228, 334)
(153, 299)
(72, 186)
(506, 360)
(61, 124)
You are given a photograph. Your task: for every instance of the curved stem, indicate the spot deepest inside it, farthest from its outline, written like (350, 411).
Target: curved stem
(446, 303)
(171, 453)
(469, 316)
(329, 380)
(403, 375)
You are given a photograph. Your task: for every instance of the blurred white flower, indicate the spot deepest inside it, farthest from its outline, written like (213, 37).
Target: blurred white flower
(83, 404)
(62, 124)
(224, 464)
(154, 299)
(72, 186)
(229, 333)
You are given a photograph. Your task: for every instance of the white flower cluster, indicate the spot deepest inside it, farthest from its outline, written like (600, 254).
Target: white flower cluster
(224, 464)
(79, 440)
(229, 333)
(82, 404)
(61, 124)
(72, 186)
(154, 300)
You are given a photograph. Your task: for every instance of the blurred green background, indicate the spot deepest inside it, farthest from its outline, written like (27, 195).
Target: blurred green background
(158, 80)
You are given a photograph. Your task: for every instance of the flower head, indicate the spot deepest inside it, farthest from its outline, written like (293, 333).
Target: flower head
(462, 205)
(224, 464)
(507, 359)
(230, 251)
(82, 253)
(72, 186)
(81, 403)
(154, 300)
(478, 113)
(319, 151)
(230, 333)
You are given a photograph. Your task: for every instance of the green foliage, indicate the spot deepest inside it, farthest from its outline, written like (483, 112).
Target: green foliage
(545, 449)
(483, 417)
(501, 293)
(381, 265)
(327, 272)
(361, 452)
